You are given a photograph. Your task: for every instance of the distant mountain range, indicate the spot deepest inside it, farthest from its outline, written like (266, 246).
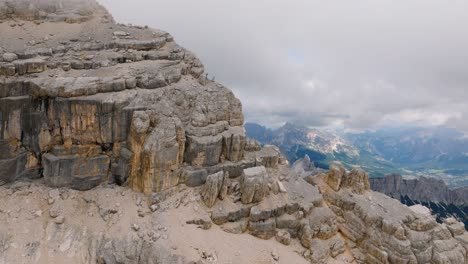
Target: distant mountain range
(432, 193)
(411, 151)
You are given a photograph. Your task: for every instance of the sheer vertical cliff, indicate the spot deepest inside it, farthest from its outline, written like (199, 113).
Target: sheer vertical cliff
(86, 101)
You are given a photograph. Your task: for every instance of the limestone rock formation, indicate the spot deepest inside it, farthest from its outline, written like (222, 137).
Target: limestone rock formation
(305, 167)
(357, 180)
(254, 185)
(128, 115)
(335, 175)
(215, 187)
(433, 193)
(103, 102)
(421, 189)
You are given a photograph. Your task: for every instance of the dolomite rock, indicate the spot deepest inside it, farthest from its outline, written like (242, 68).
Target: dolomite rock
(421, 189)
(264, 229)
(304, 167)
(385, 231)
(335, 175)
(9, 57)
(283, 237)
(72, 102)
(254, 185)
(215, 187)
(252, 145)
(101, 102)
(204, 222)
(322, 223)
(357, 180)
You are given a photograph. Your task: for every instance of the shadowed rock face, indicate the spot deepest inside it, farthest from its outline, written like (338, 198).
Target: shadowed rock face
(422, 189)
(85, 101)
(430, 192)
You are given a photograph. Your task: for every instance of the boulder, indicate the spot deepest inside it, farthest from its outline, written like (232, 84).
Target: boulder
(283, 237)
(264, 229)
(120, 33)
(254, 185)
(9, 57)
(74, 171)
(215, 187)
(204, 222)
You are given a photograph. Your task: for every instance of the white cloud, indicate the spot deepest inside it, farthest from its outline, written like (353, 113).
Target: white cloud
(360, 63)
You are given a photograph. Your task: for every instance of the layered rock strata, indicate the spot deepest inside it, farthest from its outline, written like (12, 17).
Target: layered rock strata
(336, 218)
(102, 102)
(421, 189)
(86, 104)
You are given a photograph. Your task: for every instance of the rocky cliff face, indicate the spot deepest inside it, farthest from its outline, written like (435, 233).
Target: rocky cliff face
(87, 104)
(421, 189)
(430, 192)
(84, 101)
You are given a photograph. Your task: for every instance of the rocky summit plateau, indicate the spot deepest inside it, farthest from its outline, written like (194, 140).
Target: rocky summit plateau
(115, 147)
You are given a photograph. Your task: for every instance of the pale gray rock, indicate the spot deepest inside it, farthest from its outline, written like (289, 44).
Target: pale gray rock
(56, 210)
(423, 189)
(275, 256)
(456, 228)
(91, 122)
(215, 187)
(254, 185)
(120, 34)
(9, 57)
(304, 167)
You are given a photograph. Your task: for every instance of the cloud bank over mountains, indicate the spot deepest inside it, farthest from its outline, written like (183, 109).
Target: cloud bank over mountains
(358, 64)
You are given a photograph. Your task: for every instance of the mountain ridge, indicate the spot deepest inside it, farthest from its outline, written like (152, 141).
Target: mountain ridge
(116, 148)
(430, 192)
(411, 151)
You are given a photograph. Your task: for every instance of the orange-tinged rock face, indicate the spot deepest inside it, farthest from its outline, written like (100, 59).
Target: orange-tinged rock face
(130, 91)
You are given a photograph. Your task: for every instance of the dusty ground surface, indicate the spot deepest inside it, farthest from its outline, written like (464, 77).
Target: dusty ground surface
(30, 233)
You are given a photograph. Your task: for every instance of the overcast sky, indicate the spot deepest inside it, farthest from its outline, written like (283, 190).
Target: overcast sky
(359, 64)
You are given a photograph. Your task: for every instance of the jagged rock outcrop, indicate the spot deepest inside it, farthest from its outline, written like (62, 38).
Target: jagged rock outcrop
(335, 175)
(421, 189)
(305, 167)
(442, 201)
(216, 186)
(102, 102)
(254, 185)
(356, 180)
(381, 230)
(343, 222)
(86, 104)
